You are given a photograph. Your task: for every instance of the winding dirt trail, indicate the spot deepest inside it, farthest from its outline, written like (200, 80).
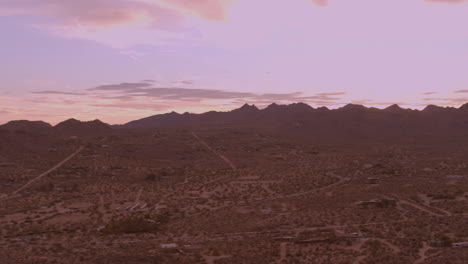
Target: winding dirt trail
(421, 208)
(315, 190)
(137, 199)
(221, 156)
(212, 259)
(422, 253)
(49, 171)
(283, 250)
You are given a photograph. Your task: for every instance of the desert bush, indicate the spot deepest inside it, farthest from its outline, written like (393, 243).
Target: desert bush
(441, 196)
(131, 225)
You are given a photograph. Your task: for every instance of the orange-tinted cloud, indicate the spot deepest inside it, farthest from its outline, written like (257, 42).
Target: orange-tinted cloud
(320, 2)
(111, 12)
(207, 9)
(118, 23)
(108, 16)
(83, 12)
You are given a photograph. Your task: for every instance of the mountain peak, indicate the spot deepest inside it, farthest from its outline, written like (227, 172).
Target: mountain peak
(273, 106)
(247, 108)
(464, 107)
(301, 106)
(394, 108)
(26, 125)
(71, 120)
(323, 108)
(353, 107)
(433, 109)
(74, 125)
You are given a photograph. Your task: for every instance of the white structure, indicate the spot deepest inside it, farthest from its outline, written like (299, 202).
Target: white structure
(171, 245)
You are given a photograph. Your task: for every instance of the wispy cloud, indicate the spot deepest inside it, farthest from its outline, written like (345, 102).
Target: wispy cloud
(143, 98)
(97, 13)
(448, 101)
(332, 94)
(93, 13)
(208, 9)
(461, 91)
(322, 3)
(186, 82)
(57, 92)
(130, 90)
(133, 54)
(137, 106)
(149, 81)
(154, 22)
(121, 86)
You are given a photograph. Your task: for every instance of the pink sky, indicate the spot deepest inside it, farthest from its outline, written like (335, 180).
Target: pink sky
(119, 60)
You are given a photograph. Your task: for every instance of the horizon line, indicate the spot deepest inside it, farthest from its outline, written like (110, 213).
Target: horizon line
(259, 109)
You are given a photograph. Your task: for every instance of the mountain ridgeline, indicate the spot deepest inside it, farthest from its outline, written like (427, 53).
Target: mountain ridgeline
(70, 126)
(350, 121)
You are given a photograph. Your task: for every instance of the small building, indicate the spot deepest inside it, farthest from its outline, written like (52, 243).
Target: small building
(284, 238)
(456, 177)
(314, 240)
(191, 248)
(373, 180)
(7, 165)
(168, 246)
(437, 243)
(369, 202)
(382, 203)
(460, 244)
(171, 248)
(348, 237)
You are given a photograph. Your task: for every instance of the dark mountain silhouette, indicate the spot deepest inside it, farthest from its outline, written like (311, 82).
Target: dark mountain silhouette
(27, 126)
(70, 125)
(349, 121)
(79, 127)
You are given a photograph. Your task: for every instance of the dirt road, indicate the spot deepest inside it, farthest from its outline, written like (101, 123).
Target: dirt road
(226, 160)
(49, 171)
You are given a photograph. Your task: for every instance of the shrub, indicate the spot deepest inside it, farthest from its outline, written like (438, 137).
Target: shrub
(131, 225)
(151, 177)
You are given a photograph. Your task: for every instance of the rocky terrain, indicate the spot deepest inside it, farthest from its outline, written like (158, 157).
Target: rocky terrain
(286, 184)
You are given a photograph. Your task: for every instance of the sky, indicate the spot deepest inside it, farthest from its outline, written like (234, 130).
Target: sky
(121, 60)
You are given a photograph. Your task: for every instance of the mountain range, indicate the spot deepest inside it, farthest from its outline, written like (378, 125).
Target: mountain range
(352, 120)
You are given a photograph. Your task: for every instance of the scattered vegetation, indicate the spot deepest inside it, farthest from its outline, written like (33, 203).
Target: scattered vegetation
(131, 225)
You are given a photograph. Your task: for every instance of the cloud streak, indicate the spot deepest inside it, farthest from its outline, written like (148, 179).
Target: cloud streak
(133, 90)
(321, 3)
(121, 24)
(57, 92)
(215, 10)
(98, 13)
(121, 86)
